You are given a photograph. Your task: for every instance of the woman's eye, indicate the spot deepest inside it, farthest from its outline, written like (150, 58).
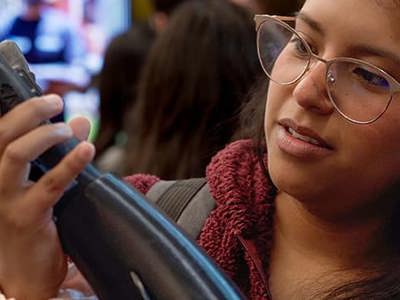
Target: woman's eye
(371, 78)
(299, 45)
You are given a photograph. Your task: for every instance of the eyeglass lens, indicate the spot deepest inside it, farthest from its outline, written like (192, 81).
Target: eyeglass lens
(358, 91)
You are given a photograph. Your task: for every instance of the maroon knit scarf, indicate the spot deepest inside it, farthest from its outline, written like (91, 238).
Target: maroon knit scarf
(244, 210)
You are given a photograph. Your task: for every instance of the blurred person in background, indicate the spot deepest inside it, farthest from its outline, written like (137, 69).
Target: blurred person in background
(51, 43)
(123, 61)
(196, 78)
(44, 34)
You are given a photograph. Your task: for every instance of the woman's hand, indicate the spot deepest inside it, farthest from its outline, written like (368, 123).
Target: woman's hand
(32, 263)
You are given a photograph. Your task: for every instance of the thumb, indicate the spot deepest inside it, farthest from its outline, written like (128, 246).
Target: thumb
(80, 127)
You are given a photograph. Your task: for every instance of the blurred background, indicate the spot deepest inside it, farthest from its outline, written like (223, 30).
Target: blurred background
(65, 42)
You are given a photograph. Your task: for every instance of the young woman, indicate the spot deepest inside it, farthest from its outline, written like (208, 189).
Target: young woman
(322, 224)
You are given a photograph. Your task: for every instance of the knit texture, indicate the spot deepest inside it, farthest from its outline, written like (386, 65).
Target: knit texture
(142, 182)
(244, 209)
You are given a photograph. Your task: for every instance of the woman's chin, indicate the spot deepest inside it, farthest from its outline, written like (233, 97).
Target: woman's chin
(302, 189)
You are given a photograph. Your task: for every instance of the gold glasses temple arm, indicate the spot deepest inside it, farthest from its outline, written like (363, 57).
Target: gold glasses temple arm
(259, 19)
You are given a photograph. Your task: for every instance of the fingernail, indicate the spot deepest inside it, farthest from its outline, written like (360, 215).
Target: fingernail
(53, 100)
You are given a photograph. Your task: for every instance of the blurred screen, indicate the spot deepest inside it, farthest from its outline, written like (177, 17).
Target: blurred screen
(64, 42)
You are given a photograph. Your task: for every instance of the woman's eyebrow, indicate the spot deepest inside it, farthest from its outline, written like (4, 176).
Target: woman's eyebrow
(356, 49)
(377, 52)
(310, 22)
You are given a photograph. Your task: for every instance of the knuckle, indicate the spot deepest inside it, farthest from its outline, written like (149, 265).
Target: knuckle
(53, 185)
(14, 154)
(18, 224)
(4, 135)
(13, 221)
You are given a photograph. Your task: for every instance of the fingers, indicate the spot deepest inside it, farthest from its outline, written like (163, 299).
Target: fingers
(28, 147)
(22, 140)
(27, 116)
(46, 192)
(81, 128)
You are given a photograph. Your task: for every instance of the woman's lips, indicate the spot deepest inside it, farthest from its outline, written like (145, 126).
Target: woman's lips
(301, 141)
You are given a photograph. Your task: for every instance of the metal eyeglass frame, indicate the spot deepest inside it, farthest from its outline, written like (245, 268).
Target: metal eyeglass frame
(394, 84)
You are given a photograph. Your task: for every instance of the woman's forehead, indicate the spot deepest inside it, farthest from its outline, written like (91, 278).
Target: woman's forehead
(385, 8)
(387, 4)
(374, 20)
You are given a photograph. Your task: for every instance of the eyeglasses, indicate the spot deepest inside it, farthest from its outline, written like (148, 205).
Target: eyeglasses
(359, 91)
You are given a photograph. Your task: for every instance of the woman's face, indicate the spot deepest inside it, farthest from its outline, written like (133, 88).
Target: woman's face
(357, 163)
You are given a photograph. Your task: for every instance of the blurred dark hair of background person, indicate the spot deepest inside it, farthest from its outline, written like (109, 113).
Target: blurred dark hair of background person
(252, 114)
(123, 61)
(281, 7)
(273, 7)
(162, 11)
(197, 75)
(166, 6)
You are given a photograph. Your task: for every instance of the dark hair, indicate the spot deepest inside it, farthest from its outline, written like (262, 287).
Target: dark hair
(198, 73)
(166, 6)
(123, 61)
(280, 7)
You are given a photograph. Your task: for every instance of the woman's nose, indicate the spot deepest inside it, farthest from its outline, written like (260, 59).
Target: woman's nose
(310, 92)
